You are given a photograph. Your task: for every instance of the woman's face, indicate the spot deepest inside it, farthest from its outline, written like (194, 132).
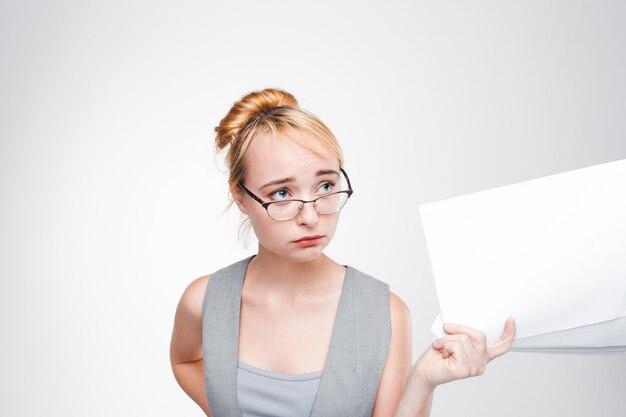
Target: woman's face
(294, 172)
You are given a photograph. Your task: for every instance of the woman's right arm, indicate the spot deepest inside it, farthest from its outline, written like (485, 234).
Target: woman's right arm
(186, 343)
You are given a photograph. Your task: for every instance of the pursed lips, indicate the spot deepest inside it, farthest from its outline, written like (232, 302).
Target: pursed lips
(309, 238)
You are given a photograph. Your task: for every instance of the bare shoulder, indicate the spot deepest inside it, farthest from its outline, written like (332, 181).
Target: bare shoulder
(186, 343)
(400, 319)
(193, 296)
(194, 293)
(400, 312)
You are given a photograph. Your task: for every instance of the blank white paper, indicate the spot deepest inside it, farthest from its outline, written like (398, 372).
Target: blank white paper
(610, 333)
(550, 252)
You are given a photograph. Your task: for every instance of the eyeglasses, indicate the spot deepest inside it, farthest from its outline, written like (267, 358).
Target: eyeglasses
(289, 209)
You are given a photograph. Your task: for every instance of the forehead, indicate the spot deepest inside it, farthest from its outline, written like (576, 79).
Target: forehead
(273, 156)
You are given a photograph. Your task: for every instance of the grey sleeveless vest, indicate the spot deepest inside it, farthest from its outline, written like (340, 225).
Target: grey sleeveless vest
(355, 358)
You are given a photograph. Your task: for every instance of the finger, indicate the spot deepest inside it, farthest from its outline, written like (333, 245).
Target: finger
(468, 349)
(455, 349)
(458, 363)
(503, 344)
(437, 344)
(478, 338)
(446, 344)
(476, 359)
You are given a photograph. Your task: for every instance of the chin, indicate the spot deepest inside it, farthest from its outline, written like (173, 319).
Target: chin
(301, 254)
(310, 256)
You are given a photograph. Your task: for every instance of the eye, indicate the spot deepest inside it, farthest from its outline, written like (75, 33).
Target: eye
(327, 187)
(280, 194)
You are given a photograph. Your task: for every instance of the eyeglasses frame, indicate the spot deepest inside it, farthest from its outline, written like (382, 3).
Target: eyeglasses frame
(266, 204)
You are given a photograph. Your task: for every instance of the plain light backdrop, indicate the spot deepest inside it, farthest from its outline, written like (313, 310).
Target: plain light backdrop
(112, 195)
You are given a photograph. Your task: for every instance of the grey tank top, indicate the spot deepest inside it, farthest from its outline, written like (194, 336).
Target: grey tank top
(263, 393)
(358, 347)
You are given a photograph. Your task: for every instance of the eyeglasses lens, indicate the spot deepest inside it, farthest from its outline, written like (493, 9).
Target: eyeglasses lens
(331, 203)
(284, 210)
(287, 210)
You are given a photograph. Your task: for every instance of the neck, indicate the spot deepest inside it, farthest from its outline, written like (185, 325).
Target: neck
(271, 272)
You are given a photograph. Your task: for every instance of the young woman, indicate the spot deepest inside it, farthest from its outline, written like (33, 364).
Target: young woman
(290, 332)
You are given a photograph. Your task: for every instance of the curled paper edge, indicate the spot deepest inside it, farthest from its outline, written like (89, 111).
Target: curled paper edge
(437, 327)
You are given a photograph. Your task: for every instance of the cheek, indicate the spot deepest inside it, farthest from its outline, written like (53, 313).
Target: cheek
(264, 226)
(332, 223)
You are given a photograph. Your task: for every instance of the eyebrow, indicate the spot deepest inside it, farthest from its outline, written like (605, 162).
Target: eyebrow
(292, 179)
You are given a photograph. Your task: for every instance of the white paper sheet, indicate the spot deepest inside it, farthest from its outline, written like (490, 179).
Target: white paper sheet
(605, 334)
(550, 252)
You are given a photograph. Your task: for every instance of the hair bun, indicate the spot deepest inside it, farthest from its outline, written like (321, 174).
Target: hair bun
(249, 105)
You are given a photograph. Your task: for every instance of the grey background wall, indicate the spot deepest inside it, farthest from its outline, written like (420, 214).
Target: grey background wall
(111, 195)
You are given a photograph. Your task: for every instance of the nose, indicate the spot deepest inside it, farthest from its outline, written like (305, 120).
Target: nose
(308, 215)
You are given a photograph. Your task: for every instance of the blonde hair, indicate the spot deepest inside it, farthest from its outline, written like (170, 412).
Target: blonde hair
(272, 111)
